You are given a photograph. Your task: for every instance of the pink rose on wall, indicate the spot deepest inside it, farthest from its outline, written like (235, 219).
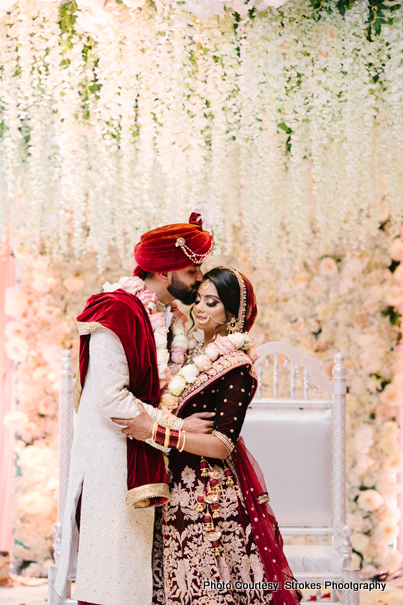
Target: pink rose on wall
(396, 250)
(34, 503)
(15, 329)
(15, 420)
(16, 302)
(328, 267)
(17, 349)
(74, 284)
(47, 406)
(43, 284)
(391, 395)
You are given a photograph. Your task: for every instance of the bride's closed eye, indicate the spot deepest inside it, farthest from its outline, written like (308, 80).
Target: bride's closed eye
(208, 303)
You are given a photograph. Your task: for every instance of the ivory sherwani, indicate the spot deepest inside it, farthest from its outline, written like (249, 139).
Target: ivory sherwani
(114, 560)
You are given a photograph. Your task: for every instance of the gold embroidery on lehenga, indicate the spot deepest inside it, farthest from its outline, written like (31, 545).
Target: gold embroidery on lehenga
(189, 556)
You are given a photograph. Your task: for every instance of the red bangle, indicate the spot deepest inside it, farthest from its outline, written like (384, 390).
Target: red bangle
(174, 438)
(160, 435)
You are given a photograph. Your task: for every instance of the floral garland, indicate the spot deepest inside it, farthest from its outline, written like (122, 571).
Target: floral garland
(169, 362)
(203, 362)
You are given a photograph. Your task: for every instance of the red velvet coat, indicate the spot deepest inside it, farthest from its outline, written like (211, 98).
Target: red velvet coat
(124, 314)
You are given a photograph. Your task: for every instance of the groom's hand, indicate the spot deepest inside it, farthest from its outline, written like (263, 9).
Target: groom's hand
(139, 428)
(196, 423)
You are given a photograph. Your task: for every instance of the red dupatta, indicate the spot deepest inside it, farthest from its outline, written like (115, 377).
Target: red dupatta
(125, 316)
(265, 528)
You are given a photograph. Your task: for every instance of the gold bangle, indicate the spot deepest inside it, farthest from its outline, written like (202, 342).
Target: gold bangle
(167, 434)
(154, 431)
(180, 449)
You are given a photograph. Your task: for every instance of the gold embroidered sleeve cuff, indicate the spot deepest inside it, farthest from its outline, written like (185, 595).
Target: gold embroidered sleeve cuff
(226, 441)
(171, 421)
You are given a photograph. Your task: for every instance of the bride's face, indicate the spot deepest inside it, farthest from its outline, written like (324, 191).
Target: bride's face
(208, 310)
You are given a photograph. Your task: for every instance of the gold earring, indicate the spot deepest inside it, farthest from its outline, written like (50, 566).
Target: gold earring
(232, 325)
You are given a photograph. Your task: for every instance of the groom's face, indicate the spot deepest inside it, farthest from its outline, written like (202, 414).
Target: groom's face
(185, 284)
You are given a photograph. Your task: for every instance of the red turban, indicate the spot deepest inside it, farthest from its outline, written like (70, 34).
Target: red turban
(173, 247)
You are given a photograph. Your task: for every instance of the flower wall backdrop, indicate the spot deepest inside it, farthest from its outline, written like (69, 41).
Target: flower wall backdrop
(116, 116)
(348, 303)
(327, 304)
(43, 307)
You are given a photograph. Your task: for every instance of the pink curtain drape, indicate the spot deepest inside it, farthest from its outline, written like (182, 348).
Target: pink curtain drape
(400, 477)
(7, 397)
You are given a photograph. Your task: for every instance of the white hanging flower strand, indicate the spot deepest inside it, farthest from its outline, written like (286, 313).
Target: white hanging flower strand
(169, 362)
(211, 112)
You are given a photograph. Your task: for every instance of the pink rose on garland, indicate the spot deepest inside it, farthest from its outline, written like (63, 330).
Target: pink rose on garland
(224, 345)
(157, 320)
(170, 401)
(178, 354)
(149, 300)
(253, 353)
(229, 345)
(131, 284)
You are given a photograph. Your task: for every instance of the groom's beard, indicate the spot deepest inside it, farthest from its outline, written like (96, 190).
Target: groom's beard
(179, 290)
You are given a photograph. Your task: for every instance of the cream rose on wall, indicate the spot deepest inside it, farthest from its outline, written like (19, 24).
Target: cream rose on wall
(340, 302)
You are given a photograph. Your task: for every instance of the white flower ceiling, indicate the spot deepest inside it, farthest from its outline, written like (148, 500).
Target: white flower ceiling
(116, 118)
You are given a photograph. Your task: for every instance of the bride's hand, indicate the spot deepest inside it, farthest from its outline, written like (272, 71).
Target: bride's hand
(196, 423)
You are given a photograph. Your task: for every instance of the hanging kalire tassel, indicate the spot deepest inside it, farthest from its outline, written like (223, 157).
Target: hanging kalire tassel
(215, 487)
(216, 512)
(209, 498)
(204, 467)
(200, 502)
(229, 481)
(208, 523)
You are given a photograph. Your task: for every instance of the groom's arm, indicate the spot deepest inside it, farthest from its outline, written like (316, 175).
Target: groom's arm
(110, 382)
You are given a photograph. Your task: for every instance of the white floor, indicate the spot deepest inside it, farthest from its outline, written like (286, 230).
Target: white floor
(24, 595)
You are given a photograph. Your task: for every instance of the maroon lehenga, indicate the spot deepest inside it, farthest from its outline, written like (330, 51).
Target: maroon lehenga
(246, 556)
